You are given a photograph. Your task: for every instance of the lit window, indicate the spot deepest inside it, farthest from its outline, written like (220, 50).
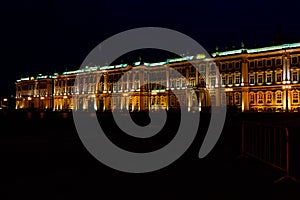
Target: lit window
(269, 78)
(237, 79)
(260, 97)
(269, 98)
(192, 82)
(251, 98)
(223, 80)
(295, 76)
(278, 97)
(213, 81)
(237, 98)
(183, 83)
(260, 79)
(230, 99)
(295, 97)
(278, 77)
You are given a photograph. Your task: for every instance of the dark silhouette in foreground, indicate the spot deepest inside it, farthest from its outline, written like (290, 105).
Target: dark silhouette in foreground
(42, 156)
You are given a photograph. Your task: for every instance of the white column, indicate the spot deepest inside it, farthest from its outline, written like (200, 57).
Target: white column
(168, 78)
(288, 71)
(284, 99)
(284, 69)
(207, 74)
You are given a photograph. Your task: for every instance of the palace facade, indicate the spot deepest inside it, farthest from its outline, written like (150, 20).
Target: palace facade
(261, 79)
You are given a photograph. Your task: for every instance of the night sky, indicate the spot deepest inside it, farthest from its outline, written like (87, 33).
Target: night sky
(46, 36)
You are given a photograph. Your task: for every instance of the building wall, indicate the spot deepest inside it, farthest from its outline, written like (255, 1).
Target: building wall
(35, 94)
(262, 81)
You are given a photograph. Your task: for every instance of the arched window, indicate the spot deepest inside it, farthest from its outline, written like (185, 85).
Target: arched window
(260, 98)
(295, 96)
(251, 98)
(269, 97)
(278, 97)
(295, 76)
(237, 98)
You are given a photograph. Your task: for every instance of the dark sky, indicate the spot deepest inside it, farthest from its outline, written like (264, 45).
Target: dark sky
(39, 36)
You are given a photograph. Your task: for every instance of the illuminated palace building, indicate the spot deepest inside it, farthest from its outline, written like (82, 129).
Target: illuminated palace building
(261, 79)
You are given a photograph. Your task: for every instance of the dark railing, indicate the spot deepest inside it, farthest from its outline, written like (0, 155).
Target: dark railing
(269, 144)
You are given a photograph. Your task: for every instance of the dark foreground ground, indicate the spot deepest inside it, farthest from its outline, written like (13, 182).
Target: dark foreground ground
(42, 157)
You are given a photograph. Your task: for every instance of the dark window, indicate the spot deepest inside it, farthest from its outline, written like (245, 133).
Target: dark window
(223, 66)
(278, 61)
(251, 79)
(251, 64)
(43, 86)
(273, 62)
(192, 69)
(230, 80)
(294, 60)
(260, 78)
(260, 63)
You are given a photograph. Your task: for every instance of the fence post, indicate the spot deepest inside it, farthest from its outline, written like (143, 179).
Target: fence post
(287, 176)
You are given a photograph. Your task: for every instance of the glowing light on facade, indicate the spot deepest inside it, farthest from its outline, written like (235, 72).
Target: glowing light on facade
(254, 79)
